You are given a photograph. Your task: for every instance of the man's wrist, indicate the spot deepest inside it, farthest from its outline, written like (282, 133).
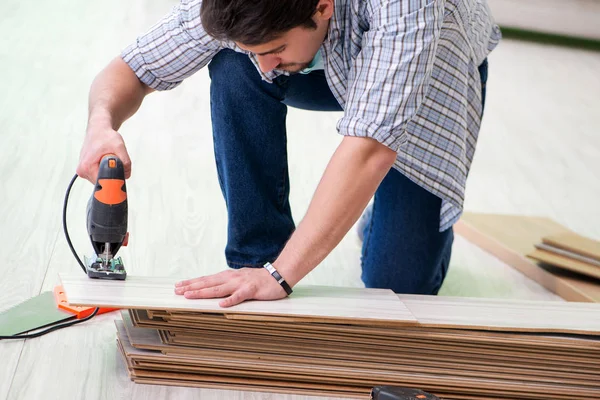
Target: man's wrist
(277, 276)
(100, 120)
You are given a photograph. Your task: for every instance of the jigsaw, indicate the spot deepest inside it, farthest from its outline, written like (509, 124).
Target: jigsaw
(107, 221)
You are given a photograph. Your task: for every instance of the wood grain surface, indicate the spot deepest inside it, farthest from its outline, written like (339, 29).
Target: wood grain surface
(347, 305)
(328, 304)
(511, 315)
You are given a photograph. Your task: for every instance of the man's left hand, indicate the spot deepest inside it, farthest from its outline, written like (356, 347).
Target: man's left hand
(235, 286)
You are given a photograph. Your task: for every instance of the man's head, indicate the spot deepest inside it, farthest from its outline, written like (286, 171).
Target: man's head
(284, 34)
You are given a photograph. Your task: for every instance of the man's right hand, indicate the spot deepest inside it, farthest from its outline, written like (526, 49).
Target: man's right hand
(100, 141)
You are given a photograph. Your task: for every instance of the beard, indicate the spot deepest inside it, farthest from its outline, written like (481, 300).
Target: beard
(293, 68)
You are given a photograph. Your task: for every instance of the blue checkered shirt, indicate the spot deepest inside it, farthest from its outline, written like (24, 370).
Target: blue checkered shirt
(404, 71)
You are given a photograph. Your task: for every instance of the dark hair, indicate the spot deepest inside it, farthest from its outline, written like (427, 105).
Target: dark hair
(254, 22)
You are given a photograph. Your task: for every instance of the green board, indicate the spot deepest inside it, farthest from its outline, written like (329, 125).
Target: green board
(35, 313)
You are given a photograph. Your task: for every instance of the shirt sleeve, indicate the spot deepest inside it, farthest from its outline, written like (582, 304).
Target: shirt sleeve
(391, 74)
(173, 49)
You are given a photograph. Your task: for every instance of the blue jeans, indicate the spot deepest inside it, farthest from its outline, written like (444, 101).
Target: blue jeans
(403, 249)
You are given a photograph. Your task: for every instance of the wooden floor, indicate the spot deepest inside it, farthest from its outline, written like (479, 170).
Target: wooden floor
(539, 154)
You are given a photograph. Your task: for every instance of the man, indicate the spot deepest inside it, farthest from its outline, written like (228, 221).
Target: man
(408, 74)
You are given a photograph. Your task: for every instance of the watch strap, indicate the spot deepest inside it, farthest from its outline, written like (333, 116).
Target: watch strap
(269, 267)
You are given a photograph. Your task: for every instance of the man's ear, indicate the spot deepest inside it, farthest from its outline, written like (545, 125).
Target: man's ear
(324, 9)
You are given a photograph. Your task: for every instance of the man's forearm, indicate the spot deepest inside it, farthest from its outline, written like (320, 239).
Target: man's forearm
(355, 171)
(115, 95)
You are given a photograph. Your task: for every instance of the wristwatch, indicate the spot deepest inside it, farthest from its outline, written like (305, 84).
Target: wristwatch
(278, 278)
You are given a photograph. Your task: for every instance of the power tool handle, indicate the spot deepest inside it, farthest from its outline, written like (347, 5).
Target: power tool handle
(111, 167)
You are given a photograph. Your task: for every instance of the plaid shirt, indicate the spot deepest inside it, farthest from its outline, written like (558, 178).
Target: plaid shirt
(404, 71)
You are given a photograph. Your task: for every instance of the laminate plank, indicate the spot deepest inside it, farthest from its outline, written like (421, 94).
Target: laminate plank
(567, 253)
(567, 263)
(192, 322)
(327, 304)
(500, 314)
(349, 305)
(575, 243)
(356, 331)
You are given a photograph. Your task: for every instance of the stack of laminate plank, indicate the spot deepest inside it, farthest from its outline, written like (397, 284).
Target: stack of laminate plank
(552, 255)
(571, 252)
(341, 342)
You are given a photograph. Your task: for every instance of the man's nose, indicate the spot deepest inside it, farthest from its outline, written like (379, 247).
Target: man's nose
(268, 63)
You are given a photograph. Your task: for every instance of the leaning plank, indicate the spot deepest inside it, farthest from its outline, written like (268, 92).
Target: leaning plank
(511, 238)
(568, 263)
(327, 304)
(575, 243)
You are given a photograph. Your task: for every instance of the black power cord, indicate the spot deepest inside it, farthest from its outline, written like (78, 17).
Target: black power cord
(71, 323)
(64, 219)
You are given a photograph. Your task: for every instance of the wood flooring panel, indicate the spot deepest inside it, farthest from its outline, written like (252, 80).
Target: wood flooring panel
(454, 369)
(566, 263)
(566, 253)
(331, 304)
(512, 237)
(369, 335)
(501, 314)
(407, 360)
(416, 351)
(575, 243)
(430, 311)
(361, 344)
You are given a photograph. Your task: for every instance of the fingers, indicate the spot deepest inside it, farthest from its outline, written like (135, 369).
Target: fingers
(200, 283)
(123, 155)
(236, 286)
(97, 144)
(237, 297)
(211, 292)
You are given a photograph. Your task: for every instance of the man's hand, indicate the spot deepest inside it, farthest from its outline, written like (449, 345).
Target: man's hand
(98, 142)
(235, 285)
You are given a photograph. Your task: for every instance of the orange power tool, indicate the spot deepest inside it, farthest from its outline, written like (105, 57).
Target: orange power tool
(107, 220)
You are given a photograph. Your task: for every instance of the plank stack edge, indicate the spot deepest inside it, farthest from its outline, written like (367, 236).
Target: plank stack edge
(456, 348)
